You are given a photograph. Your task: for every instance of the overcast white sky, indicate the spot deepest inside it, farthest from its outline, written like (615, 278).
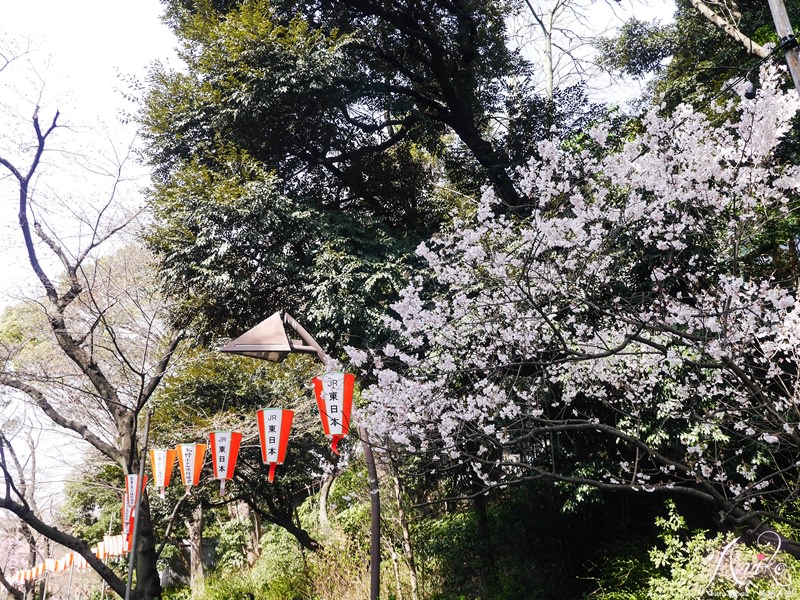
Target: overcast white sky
(86, 42)
(75, 56)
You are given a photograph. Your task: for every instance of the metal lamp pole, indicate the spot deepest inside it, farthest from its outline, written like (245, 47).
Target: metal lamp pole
(268, 341)
(137, 505)
(784, 29)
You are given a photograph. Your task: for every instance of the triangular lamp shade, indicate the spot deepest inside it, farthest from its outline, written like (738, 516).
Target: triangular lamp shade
(267, 341)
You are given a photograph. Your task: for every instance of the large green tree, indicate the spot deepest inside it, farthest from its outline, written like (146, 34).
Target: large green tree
(308, 147)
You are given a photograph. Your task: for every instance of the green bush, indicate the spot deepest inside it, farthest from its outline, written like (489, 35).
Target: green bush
(276, 575)
(691, 565)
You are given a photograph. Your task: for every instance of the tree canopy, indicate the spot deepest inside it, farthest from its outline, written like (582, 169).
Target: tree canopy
(309, 147)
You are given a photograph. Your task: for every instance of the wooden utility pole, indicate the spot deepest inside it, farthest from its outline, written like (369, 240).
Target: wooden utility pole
(784, 29)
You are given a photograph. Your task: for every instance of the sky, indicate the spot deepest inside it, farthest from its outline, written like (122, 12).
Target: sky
(74, 58)
(86, 42)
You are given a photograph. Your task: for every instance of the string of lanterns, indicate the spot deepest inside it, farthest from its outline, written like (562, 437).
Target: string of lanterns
(334, 394)
(112, 546)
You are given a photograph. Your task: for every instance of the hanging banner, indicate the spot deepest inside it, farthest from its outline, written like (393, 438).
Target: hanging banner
(129, 503)
(190, 461)
(100, 551)
(224, 452)
(162, 462)
(334, 393)
(114, 545)
(274, 425)
(127, 511)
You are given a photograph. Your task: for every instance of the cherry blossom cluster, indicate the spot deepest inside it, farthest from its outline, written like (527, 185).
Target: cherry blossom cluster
(635, 312)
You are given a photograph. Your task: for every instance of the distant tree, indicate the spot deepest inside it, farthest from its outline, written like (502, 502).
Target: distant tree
(24, 475)
(707, 45)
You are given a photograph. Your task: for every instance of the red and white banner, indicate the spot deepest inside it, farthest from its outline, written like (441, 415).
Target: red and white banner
(162, 462)
(274, 425)
(129, 503)
(224, 452)
(190, 461)
(334, 393)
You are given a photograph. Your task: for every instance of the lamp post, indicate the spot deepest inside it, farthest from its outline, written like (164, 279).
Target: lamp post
(137, 505)
(269, 341)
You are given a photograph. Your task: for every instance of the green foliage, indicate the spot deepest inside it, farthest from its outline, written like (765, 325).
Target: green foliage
(176, 594)
(277, 575)
(233, 538)
(92, 501)
(687, 565)
(639, 48)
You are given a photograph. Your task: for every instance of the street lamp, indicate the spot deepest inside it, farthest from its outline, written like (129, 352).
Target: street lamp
(269, 341)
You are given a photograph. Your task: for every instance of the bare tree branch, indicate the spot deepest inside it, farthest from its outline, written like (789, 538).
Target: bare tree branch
(80, 428)
(731, 30)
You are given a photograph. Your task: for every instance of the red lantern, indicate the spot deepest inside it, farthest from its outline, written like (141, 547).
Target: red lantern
(224, 451)
(274, 425)
(162, 462)
(334, 393)
(190, 460)
(81, 563)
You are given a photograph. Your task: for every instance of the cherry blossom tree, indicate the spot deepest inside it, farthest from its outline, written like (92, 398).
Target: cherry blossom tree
(637, 330)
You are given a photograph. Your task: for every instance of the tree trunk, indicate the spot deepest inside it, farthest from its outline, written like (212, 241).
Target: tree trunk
(408, 549)
(196, 569)
(396, 568)
(731, 30)
(254, 551)
(148, 583)
(14, 592)
(324, 493)
(484, 546)
(286, 522)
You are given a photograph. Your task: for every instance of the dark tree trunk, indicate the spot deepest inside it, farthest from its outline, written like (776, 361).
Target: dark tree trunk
(484, 547)
(324, 492)
(196, 569)
(148, 583)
